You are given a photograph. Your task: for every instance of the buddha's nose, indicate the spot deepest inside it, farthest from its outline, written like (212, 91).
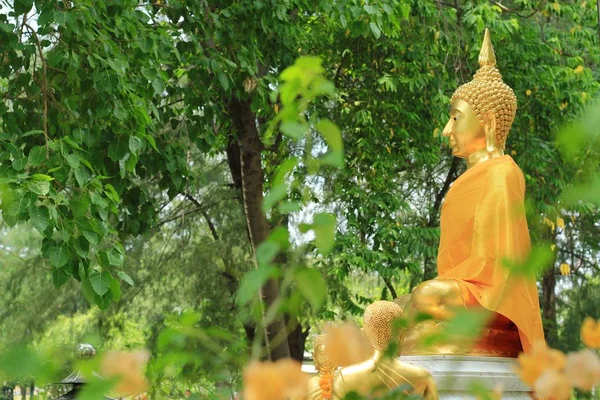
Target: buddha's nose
(447, 129)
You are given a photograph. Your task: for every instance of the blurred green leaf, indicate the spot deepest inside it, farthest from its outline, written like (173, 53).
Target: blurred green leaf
(312, 286)
(324, 228)
(253, 281)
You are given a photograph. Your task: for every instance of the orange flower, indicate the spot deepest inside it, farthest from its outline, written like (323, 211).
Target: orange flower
(128, 367)
(346, 345)
(326, 385)
(583, 369)
(590, 333)
(274, 380)
(552, 385)
(540, 359)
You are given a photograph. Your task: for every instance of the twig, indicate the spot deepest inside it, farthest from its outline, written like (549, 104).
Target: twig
(509, 10)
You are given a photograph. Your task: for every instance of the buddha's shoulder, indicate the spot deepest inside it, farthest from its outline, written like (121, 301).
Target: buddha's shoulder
(503, 171)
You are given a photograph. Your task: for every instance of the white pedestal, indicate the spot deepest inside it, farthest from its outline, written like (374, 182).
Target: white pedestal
(457, 375)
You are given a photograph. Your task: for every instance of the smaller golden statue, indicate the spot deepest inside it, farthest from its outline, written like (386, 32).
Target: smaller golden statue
(320, 386)
(380, 373)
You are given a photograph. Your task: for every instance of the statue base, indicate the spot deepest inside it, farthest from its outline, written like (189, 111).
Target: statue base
(457, 376)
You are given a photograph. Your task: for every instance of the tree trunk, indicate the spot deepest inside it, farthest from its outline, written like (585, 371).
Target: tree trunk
(252, 188)
(297, 339)
(548, 294)
(549, 306)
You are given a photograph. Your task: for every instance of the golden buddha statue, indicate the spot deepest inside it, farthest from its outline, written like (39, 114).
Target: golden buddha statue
(320, 385)
(380, 374)
(482, 223)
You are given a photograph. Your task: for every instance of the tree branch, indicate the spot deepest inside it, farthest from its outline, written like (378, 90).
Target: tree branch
(390, 287)
(509, 10)
(440, 196)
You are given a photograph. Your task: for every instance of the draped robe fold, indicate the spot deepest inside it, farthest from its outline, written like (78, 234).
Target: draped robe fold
(482, 223)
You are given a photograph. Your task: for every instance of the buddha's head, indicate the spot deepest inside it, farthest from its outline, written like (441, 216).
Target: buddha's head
(379, 320)
(482, 111)
(322, 363)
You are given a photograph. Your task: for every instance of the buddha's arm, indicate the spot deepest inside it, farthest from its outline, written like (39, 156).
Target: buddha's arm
(499, 229)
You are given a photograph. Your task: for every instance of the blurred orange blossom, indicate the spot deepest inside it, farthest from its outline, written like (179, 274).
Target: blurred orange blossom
(552, 385)
(278, 380)
(345, 344)
(540, 359)
(128, 368)
(590, 333)
(583, 369)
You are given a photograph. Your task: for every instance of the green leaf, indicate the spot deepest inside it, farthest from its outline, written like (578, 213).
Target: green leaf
(59, 256)
(18, 204)
(324, 228)
(149, 73)
(8, 28)
(115, 289)
(82, 247)
(333, 138)
(73, 160)
(223, 81)
(37, 156)
(152, 142)
(96, 389)
(145, 43)
(100, 282)
(118, 65)
(276, 194)
(375, 29)
(19, 361)
(115, 258)
(253, 281)
(82, 176)
(289, 207)
(294, 130)
(91, 237)
(40, 217)
(40, 188)
(72, 143)
(123, 275)
(266, 252)
(88, 290)
(111, 193)
(280, 236)
(80, 206)
(22, 6)
(540, 258)
(42, 177)
(98, 200)
(158, 86)
(117, 149)
(135, 144)
(60, 276)
(467, 324)
(312, 286)
(19, 163)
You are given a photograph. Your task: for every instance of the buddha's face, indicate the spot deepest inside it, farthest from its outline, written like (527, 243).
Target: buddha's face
(463, 129)
(322, 363)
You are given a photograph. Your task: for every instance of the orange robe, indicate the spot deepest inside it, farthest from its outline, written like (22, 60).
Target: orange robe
(483, 222)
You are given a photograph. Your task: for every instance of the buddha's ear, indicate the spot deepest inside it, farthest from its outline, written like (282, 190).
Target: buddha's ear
(489, 127)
